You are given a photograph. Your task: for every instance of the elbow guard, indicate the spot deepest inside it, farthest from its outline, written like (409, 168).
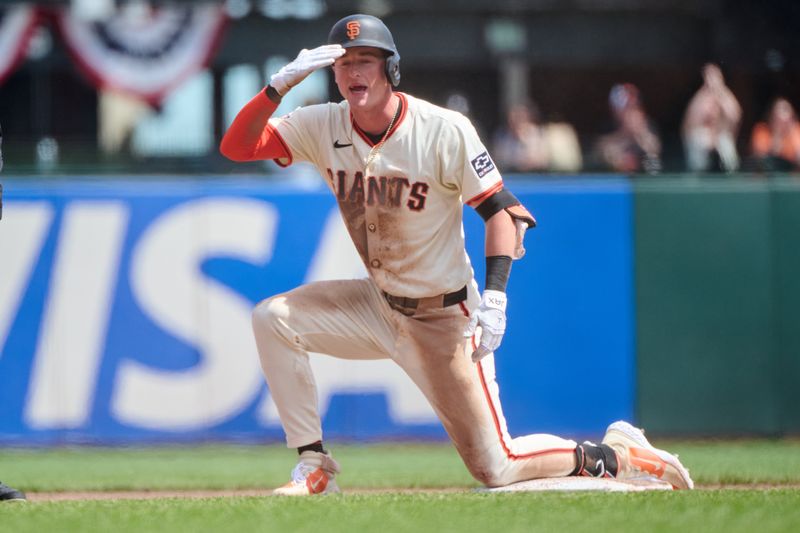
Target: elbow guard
(505, 200)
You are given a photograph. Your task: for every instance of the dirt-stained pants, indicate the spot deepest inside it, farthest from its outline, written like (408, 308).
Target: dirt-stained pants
(351, 319)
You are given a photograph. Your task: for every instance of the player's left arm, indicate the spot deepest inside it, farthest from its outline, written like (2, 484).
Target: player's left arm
(500, 235)
(506, 222)
(474, 173)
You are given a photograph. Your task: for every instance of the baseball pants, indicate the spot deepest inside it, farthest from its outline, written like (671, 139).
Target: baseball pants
(351, 319)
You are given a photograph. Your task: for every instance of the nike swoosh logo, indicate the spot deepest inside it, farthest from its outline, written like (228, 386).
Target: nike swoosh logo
(337, 144)
(315, 479)
(601, 468)
(315, 485)
(647, 461)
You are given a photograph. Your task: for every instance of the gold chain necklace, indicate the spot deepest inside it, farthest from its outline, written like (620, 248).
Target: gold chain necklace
(377, 148)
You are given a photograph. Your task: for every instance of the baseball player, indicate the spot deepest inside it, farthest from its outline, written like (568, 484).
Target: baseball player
(401, 169)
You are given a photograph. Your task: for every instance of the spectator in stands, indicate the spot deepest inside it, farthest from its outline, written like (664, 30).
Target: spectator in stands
(563, 147)
(458, 101)
(711, 124)
(775, 143)
(520, 145)
(634, 146)
(525, 144)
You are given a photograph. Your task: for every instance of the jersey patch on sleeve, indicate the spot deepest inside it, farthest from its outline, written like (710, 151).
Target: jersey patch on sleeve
(482, 164)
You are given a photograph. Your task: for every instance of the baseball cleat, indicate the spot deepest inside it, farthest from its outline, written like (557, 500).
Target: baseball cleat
(314, 474)
(638, 459)
(7, 494)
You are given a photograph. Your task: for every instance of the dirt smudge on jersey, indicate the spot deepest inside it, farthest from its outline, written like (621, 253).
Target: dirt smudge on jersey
(354, 219)
(393, 238)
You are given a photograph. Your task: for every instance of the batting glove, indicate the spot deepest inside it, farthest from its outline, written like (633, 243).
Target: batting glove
(491, 317)
(306, 62)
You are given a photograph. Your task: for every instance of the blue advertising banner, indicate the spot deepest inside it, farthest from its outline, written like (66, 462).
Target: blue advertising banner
(125, 312)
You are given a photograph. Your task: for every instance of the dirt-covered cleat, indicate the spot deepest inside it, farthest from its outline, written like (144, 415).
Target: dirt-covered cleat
(314, 474)
(640, 460)
(8, 494)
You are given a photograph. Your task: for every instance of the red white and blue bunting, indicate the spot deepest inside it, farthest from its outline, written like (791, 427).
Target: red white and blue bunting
(17, 24)
(144, 51)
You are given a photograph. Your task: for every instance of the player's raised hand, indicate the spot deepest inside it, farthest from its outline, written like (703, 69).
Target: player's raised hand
(306, 62)
(491, 317)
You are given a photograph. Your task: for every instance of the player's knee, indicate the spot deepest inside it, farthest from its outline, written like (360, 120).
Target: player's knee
(487, 473)
(269, 315)
(489, 478)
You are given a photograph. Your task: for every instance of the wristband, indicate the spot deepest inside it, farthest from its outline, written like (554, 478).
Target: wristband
(498, 268)
(272, 94)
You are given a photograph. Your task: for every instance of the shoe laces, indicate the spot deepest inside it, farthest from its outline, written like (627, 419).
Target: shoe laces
(302, 469)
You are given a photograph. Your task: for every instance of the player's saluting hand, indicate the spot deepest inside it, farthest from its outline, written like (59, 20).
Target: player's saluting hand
(306, 62)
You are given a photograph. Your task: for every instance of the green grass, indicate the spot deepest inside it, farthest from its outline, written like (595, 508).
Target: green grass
(749, 461)
(369, 466)
(385, 466)
(711, 511)
(226, 467)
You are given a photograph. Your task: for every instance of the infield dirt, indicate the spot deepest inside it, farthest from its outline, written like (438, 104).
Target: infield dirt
(261, 493)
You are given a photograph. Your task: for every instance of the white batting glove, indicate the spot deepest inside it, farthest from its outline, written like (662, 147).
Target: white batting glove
(306, 62)
(491, 316)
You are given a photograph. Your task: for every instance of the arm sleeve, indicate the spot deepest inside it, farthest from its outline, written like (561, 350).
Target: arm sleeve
(251, 137)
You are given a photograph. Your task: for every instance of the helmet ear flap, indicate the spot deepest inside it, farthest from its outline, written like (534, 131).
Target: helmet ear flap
(393, 69)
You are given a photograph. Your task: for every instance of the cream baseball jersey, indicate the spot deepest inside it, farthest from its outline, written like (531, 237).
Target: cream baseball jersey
(404, 210)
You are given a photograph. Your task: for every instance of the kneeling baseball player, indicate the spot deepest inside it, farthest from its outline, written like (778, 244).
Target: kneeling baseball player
(401, 169)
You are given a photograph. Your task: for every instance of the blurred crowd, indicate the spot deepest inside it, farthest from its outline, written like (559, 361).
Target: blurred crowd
(709, 133)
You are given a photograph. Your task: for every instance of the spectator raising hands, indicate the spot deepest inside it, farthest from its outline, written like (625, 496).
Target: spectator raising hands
(711, 124)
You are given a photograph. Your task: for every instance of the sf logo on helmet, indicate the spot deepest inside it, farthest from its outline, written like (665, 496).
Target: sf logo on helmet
(353, 29)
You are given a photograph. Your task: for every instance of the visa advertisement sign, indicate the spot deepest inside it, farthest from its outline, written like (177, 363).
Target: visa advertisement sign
(125, 312)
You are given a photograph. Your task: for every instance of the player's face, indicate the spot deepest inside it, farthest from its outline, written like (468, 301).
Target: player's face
(361, 78)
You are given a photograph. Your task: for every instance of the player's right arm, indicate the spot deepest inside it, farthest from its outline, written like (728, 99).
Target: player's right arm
(250, 136)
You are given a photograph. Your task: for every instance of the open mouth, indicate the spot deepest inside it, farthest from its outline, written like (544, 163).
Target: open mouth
(358, 89)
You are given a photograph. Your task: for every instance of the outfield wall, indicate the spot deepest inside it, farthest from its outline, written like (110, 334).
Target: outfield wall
(718, 305)
(124, 310)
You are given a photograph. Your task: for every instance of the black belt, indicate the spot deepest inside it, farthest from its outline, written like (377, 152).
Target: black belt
(442, 300)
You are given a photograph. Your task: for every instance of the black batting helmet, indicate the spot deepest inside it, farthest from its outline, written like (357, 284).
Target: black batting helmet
(366, 30)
